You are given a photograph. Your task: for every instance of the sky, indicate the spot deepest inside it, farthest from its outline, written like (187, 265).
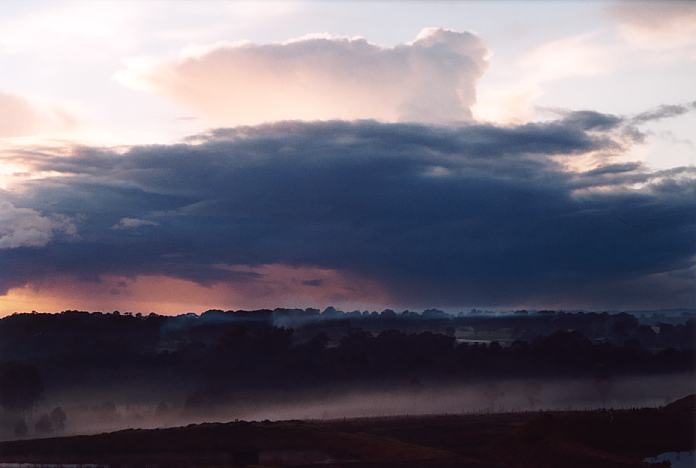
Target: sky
(181, 156)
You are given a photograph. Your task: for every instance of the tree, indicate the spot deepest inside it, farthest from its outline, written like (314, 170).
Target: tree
(58, 418)
(44, 425)
(20, 386)
(20, 428)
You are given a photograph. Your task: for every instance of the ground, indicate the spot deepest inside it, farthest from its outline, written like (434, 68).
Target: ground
(604, 438)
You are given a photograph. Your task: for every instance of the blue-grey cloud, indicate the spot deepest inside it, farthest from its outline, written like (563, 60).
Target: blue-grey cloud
(474, 214)
(664, 112)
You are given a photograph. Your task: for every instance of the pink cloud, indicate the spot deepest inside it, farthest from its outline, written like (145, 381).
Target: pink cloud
(431, 79)
(20, 117)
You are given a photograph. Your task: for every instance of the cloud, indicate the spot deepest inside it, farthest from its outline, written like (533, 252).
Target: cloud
(511, 99)
(626, 127)
(631, 125)
(431, 79)
(657, 25)
(25, 227)
(568, 57)
(132, 223)
(664, 112)
(473, 214)
(20, 117)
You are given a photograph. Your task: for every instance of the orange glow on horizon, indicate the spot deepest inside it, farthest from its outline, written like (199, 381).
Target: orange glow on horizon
(278, 286)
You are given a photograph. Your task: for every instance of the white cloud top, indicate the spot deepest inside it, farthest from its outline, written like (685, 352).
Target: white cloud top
(431, 79)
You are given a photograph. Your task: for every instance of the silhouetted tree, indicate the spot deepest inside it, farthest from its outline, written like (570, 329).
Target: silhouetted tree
(20, 428)
(162, 409)
(532, 390)
(20, 386)
(246, 351)
(44, 425)
(58, 418)
(603, 383)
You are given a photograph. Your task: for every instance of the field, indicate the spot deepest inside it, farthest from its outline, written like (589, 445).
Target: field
(605, 438)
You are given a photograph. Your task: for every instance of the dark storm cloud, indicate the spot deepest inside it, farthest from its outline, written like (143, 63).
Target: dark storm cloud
(627, 127)
(591, 120)
(477, 214)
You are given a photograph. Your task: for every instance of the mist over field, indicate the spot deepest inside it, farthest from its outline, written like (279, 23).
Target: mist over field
(100, 410)
(79, 372)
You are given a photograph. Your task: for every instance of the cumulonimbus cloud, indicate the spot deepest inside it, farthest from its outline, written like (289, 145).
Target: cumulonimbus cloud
(431, 79)
(473, 214)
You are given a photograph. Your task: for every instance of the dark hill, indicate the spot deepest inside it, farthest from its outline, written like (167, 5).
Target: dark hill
(686, 404)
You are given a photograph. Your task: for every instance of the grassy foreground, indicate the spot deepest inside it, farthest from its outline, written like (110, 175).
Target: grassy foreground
(618, 438)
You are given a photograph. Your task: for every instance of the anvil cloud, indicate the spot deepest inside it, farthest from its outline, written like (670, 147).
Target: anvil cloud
(432, 79)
